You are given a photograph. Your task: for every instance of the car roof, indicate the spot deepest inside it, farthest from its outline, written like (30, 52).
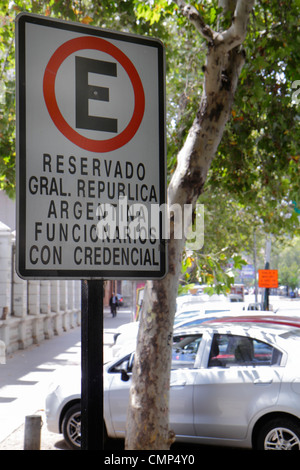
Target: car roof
(262, 319)
(253, 326)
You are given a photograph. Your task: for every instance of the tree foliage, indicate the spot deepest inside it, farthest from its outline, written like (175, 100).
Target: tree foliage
(256, 172)
(262, 137)
(258, 159)
(287, 261)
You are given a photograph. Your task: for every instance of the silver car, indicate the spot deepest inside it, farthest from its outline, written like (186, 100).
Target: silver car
(232, 384)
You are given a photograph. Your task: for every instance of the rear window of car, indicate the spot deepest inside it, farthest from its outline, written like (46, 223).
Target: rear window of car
(231, 350)
(292, 334)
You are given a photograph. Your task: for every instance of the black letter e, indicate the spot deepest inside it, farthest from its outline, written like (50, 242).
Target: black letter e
(86, 92)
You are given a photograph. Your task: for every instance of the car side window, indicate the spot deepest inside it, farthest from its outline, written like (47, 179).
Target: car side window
(184, 351)
(231, 350)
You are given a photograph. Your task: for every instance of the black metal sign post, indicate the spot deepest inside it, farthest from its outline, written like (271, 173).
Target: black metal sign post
(92, 365)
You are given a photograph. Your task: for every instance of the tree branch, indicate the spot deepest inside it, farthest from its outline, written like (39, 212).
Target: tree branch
(235, 35)
(193, 15)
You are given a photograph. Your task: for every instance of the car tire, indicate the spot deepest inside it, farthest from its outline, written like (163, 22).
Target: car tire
(279, 434)
(71, 427)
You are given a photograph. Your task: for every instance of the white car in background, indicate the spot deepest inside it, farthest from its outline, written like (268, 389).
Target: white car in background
(186, 301)
(234, 384)
(126, 334)
(193, 314)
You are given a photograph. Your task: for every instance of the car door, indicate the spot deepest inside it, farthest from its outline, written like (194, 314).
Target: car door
(234, 386)
(118, 394)
(184, 356)
(183, 374)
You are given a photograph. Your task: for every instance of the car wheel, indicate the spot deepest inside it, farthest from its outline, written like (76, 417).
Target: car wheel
(279, 434)
(71, 427)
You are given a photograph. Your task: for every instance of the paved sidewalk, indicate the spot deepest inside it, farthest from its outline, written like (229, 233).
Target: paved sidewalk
(49, 440)
(25, 378)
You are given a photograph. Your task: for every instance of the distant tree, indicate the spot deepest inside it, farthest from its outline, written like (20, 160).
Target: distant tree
(288, 265)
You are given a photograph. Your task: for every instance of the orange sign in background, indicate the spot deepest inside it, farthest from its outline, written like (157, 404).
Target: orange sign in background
(268, 278)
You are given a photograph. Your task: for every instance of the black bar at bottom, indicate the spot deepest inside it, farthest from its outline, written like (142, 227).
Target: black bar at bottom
(92, 365)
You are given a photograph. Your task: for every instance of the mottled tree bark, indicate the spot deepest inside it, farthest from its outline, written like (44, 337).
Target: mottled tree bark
(148, 413)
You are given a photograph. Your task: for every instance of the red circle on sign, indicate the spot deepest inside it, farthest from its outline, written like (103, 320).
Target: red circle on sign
(59, 56)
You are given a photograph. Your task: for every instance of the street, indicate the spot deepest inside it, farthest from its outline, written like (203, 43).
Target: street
(25, 378)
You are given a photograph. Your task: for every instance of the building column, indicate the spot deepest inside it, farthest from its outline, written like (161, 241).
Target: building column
(5, 270)
(55, 306)
(5, 281)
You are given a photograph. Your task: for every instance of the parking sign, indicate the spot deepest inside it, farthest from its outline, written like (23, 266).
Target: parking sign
(90, 152)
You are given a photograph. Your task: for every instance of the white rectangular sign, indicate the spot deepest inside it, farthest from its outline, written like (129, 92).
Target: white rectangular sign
(90, 152)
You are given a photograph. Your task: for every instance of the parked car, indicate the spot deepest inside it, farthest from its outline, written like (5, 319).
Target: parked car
(124, 335)
(184, 302)
(257, 306)
(234, 384)
(207, 308)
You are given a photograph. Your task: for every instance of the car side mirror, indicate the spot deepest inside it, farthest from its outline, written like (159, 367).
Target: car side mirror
(124, 375)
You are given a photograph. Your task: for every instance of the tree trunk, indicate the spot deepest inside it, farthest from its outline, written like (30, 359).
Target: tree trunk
(148, 412)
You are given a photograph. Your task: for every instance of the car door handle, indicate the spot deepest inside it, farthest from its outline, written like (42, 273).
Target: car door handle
(262, 382)
(178, 384)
